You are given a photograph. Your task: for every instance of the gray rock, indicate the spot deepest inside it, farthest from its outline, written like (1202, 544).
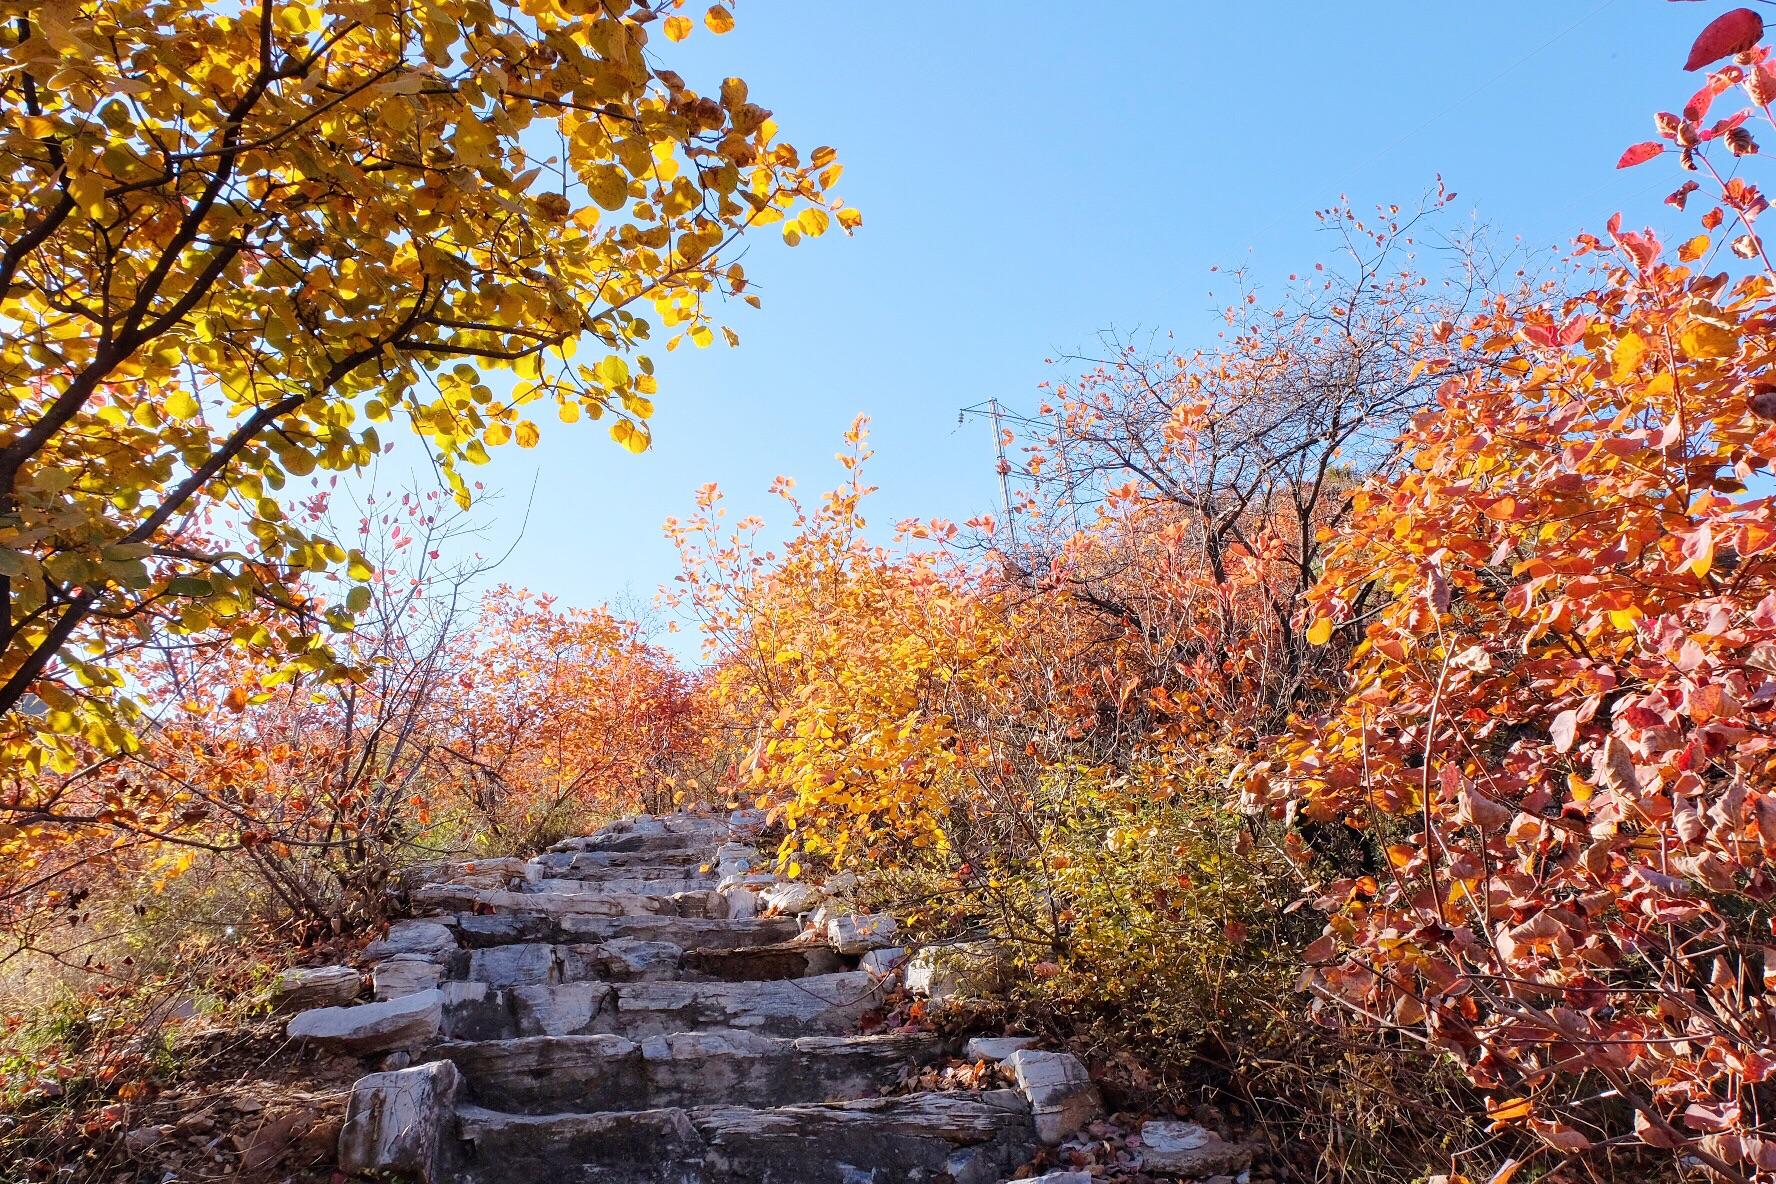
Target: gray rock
(622, 959)
(1173, 1148)
(1061, 1094)
(399, 1122)
(408, 1022)
(1061, 1178)
(995, 1048)
(428, 939)
(854, 933)
(315, 986)
(521, 964)
(883, 962)
(404, 974)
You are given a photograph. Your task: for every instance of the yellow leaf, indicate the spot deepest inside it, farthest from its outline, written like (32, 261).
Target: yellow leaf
(626, 433)
(88, 192)
(678, 28)
(719, 19)
(527, 434)
(608, 185)
(1629, 351)
(1704, 339)
(1320, 632)
(180, 405)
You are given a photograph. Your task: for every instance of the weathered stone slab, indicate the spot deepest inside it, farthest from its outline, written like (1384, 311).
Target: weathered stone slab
(1060, 1091)
(545, 1074)
(964, 1138)
(959, 970)
(917, 1139)
(569, 1009)
(404, 974)
(638, 1147)
(485, 873)
(884, 962)
(404, 1023)
(791, 897)
(620, 960)
(315, 986)
(830, 1003)
(1173, 1148)
(401, 1123)
(477, 931)
(858, 933)
(519, 964)
(745, 1069)
(782, 960)
(995, 1048)
(628, 885)
(428, 939)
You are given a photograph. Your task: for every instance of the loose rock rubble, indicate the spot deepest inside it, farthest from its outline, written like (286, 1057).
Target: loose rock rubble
(648, 1005)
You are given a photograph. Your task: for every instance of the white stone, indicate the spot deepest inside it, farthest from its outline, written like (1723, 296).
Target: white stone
(885, 961)
(407, 1022)
(404, 974)
(962, 969)
(743, 903)
(792, 897)
(316, 986)
(857, 933)
(1062, 1096)
(995, 1048)
(426, 938)
(1061, 1178)
(840, 884)
(399, 1122)
(746, 880)
(1174, 1148)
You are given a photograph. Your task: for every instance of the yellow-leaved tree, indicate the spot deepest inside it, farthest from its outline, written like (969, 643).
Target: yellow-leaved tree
(238, 239)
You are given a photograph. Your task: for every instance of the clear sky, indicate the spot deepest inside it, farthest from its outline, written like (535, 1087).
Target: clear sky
(1033, 173)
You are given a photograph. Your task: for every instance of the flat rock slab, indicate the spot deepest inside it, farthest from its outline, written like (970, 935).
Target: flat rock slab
(581, 863)
(917, 1139)
(1189, 1149)
(462, 898)
(689, 933)
(550, 1074)
(404, 1023)
(828, 1004)
(315, 986)
(795, 959)
(426, 939)
(627, 885)
(401, 1122)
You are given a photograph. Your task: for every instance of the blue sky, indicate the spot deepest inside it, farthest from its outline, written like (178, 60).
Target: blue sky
(1033, 173)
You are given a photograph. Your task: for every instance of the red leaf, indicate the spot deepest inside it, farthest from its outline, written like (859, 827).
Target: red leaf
(1728, 34)
(1640, 154)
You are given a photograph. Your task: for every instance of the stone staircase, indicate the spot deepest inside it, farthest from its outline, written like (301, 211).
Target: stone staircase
(611, 1012)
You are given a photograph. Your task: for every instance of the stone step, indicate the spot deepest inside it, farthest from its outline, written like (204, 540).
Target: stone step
(915, 1139)
(680, 833)
(549, 1074)
(478, 931)
(529, 964)
(822, 1005)
(625, 885)
(704, 902)
(579, 863)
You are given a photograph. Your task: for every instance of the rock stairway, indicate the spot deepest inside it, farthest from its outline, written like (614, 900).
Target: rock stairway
(611, 1012)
